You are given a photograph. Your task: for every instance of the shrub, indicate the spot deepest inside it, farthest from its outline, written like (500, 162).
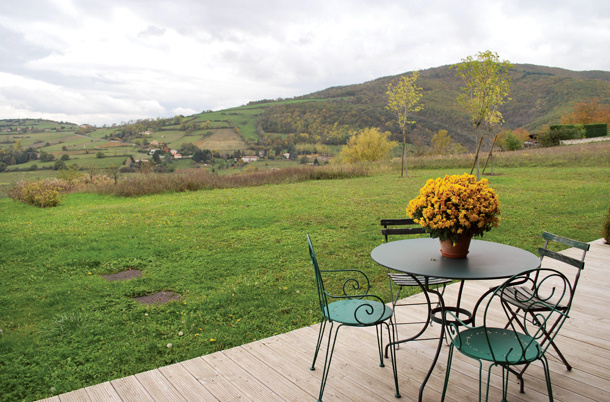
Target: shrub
(100, 155)
(512, 142)
(42, 193)
(59, 165)
(588, 130)
(554, 135)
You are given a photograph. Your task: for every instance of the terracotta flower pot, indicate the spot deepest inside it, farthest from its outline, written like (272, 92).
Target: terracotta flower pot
(457, 250)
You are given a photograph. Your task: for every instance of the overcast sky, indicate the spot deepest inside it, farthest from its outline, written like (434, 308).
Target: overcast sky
(107, 61)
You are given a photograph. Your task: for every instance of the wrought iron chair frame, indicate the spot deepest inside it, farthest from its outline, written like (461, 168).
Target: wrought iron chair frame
(522, 340)
(354, 307)
(518, 307)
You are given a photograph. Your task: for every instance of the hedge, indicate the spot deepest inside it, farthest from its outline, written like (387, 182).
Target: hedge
(591, 130)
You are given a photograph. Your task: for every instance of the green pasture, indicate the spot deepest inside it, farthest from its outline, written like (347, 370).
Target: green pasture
(237, 258)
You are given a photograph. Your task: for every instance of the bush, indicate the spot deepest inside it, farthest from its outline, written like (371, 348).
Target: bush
(596, 130)
(99, 155)
(555, 134)
(42, 193)
(512, 142)
(59, 165)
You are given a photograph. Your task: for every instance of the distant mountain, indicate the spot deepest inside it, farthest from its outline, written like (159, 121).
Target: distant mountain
(539, 95)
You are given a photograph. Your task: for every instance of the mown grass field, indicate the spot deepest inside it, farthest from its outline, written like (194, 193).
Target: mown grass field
(237, 257)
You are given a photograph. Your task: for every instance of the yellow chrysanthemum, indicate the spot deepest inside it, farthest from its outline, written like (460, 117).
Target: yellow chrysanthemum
(456, 205)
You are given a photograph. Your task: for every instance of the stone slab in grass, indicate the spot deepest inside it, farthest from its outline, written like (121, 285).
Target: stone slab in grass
(124, 275)
(158, 298)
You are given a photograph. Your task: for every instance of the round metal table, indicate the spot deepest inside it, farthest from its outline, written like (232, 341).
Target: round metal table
(486, 260)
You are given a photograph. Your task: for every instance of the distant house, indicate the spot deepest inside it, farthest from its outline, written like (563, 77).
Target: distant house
(154, 143)
(249, 159)
(287, 155)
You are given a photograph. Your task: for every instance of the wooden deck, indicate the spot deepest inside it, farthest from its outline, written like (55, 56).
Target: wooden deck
(277, 368)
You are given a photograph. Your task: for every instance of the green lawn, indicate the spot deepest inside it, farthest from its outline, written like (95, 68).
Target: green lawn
(238, 258)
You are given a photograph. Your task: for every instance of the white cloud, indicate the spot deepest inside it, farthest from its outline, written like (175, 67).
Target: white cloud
(126, 60)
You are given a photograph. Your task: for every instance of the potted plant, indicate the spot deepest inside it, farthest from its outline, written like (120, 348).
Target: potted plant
(454, 209)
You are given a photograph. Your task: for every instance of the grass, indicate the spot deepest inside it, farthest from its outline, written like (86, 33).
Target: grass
(237, 257)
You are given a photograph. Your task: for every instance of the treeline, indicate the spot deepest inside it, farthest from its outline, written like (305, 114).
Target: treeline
(321, 120)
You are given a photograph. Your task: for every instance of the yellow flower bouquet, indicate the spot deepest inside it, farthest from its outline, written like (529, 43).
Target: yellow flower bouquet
(456, 206)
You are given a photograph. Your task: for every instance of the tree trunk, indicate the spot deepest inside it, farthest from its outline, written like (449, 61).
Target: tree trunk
(476, 160)
(403, 157)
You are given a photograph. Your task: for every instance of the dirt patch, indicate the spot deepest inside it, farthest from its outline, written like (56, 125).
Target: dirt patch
(124, 275)
(158, 298)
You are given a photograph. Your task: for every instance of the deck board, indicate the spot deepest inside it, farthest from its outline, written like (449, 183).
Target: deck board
(277, 368)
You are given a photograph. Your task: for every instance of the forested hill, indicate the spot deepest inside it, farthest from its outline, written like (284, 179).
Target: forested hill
(539, 95)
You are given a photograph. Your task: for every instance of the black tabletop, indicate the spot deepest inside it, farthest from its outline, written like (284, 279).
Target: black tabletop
(485, 260)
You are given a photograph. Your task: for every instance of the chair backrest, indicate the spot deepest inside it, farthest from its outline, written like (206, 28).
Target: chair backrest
(550, 298)
(578, 263)
(319, 282)
(405, 230)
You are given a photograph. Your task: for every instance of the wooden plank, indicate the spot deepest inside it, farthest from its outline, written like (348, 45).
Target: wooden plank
(219, 386)
(182, 380)
(130, 390)
(103, 392)
(267, 373)
(159, 387)
(79, 395)
(247, 383)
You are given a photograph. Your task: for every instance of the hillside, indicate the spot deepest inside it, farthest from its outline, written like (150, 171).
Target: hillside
(539, 95)
(316, 123)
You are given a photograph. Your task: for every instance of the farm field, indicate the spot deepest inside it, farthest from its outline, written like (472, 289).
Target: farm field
(222, 140)
(237, 258)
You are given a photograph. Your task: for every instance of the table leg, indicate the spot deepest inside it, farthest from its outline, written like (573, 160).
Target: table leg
(441, 338)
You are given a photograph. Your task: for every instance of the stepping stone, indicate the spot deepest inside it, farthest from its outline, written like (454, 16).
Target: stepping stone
(158, 298)
(124, 275)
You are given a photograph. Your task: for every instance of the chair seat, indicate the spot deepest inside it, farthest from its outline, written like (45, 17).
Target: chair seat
(358, 312)
(407, 280)
(507, 345)
(523, 298)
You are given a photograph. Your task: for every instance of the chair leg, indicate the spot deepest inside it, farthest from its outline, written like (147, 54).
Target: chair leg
(547, 376)
(504, 383)
(393, 358)
(379, 333)
(394, 322)
(320, 336)
(329, 356)
(563, 359)
(448, 370)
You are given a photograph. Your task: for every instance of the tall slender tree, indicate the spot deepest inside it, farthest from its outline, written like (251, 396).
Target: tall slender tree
(486, 87)
(403, 102)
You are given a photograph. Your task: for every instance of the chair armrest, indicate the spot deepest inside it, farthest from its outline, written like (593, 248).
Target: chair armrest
(354, 287)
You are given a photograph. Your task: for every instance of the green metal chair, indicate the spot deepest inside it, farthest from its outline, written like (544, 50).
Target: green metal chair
(348, 303)
(531, 308)
(524, 338)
